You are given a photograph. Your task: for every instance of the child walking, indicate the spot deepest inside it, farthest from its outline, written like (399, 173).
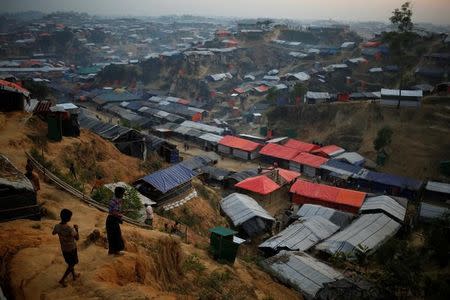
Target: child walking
(67, 238)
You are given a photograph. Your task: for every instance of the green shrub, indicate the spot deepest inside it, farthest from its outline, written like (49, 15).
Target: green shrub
(102, 195)
(132, 205)
(193, 263)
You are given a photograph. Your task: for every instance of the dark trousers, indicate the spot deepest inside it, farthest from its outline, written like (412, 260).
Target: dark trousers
(114, 234)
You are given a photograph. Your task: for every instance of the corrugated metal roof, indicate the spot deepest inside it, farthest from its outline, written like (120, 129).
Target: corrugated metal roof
(405, 93)
(303, 272)
(371, 231)
(238, 143)
(330, 150)
(340, 167)
(261, 184)
(241, 208)
(428, 211)
(317, 95)
(386, 205)
(439, 187)
(351, 157)
(301, 235)
(203, 127)
(337, 217)
(169, 178)
(279, 151)
(210, 137)
(308, 159)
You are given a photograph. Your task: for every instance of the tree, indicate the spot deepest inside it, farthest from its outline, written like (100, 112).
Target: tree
(299, 91)
(402, 17)
(272, 95)
(398, 42)
(383, 139)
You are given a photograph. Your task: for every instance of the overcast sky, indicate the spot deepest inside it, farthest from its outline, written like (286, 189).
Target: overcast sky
(434, 11)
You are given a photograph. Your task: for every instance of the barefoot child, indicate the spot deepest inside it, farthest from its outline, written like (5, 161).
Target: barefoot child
(67, 237)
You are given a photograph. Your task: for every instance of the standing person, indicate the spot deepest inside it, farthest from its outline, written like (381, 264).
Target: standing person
(29, 167)
(34, 178)
(149, 215)
(67, 238)
(113, 221)
(72, 170)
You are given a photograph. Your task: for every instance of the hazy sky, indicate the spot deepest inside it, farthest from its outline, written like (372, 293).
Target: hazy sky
(435, 11)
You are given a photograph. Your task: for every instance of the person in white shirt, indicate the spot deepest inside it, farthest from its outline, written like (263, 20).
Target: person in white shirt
(149, 215)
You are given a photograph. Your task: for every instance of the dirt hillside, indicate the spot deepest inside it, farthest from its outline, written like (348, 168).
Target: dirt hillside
(156, 265)
(419, 142)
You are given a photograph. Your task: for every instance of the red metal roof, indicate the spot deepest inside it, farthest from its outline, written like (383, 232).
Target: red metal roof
(238, 143)
(239, 90)
(329, 150)
(309, 160)
(260, 184)
(328, 193)
(183, 101)
(300, 146)
(13, 87)
(262, 88)
(288, 175)
(371, 44)
(278, 151)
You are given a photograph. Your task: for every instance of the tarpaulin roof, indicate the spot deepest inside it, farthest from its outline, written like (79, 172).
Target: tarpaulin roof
(167, 179)
(330, 150)
(370, 231)
(278, 151)
(238, 143)
(309, 160)
(328, 193)
(300, 146)
(13, 87)
(302, 271)
(241, 208)
(215, 173)
(301, 235)
(258, 184)
(337, 217)
(239, 176)
(391, 180)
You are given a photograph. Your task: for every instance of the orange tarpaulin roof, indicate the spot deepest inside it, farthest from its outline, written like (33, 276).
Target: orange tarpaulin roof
(328, 193)
(13, 87)
(260, 184)
(288, 175)
(238, 143)
(329, 150)
(278, 151)
(300, 146)
(309, 160)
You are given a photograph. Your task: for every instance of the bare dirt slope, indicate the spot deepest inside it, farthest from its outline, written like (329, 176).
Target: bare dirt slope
(155, 266)
(420, 136)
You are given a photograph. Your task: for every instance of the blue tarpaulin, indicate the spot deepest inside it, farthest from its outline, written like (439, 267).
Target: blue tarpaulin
(167, 179)
(134, 106)
(393, 180)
